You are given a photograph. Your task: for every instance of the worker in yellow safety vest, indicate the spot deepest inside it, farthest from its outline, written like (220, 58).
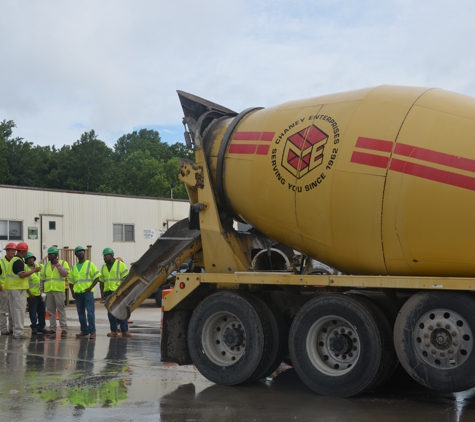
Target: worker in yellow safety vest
(54, 275)
(18, 284)
(36, 304)
(82, 279)
(6, 326)
(112, 273)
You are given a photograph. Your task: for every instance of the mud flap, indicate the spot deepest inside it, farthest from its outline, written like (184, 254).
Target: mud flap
(174, 345)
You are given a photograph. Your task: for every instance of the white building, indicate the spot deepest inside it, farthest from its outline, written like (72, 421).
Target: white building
(127, 224)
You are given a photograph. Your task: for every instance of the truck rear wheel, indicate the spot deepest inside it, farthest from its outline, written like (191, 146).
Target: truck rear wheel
(434, 340)
(385, 316)
(226, 338)
(277, 340)
(385, 322)
(336, 346)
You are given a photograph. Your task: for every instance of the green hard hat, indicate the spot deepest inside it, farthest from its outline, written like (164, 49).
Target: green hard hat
(107, 251)
(29, 255)
(53, 249)
(79, 248)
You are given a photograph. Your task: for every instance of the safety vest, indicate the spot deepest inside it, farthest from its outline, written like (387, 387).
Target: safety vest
(34, 281)
(83, 278)
(13, 281)
(3, 275)
(53, 281)
(113, 278)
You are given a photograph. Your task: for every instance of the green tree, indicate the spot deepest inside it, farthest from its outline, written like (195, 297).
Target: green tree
(149, 140)
(142, 175)
(140, 164)
(89, 162)
(180, 150)
(147, 166)
(43, 161)
(143, 140)
(6, 130)
(22, 163)
(166, 179)
(58, 168)
(133, 175)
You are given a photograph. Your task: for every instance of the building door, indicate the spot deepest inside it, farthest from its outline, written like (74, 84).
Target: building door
(51, 232)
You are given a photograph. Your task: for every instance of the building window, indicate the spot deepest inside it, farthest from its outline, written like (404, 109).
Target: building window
(123, 233)
(52, 225)
(11, 230)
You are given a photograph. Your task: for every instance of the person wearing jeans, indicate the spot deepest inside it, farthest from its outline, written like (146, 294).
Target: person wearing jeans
(36, 305)
(83, 277)
(112, 273)
(115, 323)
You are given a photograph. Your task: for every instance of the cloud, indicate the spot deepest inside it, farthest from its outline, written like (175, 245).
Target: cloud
(113, 66)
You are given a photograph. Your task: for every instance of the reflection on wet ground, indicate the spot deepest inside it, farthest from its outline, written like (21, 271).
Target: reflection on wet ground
(124, 380)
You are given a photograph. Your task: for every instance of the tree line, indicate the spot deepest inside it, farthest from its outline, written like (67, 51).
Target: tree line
(138, 164)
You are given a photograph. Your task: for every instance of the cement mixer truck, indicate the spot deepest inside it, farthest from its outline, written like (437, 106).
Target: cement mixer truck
(378, 184)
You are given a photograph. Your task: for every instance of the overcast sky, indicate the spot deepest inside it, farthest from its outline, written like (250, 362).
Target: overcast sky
(114, 65)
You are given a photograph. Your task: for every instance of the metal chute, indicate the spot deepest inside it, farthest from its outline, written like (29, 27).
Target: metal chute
(151, 271)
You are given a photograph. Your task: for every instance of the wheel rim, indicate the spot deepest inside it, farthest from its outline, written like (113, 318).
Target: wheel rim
(443, 339)
(224, 338)
(333, 345)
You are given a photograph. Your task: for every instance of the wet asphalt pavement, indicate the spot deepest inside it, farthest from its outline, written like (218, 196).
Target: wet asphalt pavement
(123, 380)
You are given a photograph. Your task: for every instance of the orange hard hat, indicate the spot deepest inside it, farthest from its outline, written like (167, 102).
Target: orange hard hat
(22, 246)
(119, 259)
(10, 245)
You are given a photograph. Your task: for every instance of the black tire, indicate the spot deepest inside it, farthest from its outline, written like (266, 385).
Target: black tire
(277, 340)
(434, 339)
(389, 361)
(270, 337)
(336, 346)
(385, 304)
(226, 338)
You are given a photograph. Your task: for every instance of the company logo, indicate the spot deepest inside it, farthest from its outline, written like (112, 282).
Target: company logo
(303, 152)
(296, 153)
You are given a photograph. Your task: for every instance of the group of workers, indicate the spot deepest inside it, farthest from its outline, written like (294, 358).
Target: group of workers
(23, 280)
